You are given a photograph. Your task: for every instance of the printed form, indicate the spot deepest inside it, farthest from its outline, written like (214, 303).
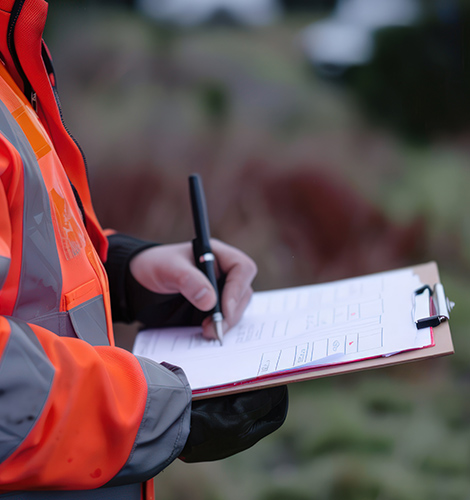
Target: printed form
(298, 328)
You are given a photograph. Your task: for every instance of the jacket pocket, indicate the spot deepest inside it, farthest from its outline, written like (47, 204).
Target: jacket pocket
(86, 310)
(89, 321)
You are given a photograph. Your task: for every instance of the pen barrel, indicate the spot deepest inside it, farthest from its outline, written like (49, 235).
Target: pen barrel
(199, 209)
(205, 262)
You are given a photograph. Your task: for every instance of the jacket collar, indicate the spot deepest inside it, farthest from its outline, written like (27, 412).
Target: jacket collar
(21, 28)
(27, 60)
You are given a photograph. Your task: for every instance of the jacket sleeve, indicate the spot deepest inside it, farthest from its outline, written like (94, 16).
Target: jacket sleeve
(130, 301)
(73, 416)
(76, 416)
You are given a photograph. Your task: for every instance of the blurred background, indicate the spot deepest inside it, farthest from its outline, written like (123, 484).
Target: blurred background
(333, 137)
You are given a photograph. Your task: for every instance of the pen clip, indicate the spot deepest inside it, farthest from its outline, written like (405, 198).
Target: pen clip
(431, 306)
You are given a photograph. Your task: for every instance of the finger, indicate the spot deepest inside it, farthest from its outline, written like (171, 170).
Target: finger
(233, 317)
(240, 271)
(208, 328)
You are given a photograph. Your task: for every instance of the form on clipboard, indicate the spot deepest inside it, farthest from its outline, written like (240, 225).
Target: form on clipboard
(306, 332)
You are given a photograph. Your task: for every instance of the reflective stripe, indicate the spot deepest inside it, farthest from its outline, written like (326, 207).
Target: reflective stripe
(4, 268)
(165, 425)
(40, 271)
(59, 323)
(26, 376)
(40, 287)
(89, 321)
(126, 492)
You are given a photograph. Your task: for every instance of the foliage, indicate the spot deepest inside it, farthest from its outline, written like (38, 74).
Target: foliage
(418, 80)
(295, 176)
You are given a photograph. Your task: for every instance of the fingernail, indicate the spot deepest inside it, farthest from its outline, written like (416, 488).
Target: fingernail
(201, 294)
(231, 304)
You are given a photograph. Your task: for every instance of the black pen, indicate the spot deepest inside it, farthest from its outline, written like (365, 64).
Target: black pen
(203, 256)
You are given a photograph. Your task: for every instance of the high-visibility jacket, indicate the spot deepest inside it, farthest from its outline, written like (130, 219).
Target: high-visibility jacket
(79, 417)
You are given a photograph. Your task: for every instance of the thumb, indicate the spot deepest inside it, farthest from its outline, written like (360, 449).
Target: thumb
(169, 269)
(189, 281)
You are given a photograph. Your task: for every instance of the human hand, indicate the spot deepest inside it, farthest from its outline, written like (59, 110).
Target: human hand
(225, 425)
(169, 269)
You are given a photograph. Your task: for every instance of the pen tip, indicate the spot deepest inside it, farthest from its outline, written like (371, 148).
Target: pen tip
(219, 331)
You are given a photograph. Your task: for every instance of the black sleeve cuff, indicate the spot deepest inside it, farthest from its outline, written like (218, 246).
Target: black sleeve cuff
(121, 250)
(130, 301)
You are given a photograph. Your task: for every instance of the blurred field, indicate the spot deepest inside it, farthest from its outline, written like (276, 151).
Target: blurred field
(296, 176)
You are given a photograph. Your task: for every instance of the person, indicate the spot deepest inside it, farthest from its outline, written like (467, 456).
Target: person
(79, 417)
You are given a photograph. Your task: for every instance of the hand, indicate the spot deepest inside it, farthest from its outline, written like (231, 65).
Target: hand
(223, 426)
(170, 269)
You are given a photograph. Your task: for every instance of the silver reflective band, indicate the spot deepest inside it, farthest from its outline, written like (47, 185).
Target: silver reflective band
(40, 264)
(207, 257)
(164, 427)
(26, 377)
(217, 316)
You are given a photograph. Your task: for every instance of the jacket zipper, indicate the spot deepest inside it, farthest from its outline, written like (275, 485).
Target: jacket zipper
(50, 69)
(28, 89)
(34, 101)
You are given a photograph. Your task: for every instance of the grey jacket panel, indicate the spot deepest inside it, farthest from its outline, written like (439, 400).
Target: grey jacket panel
(40, 285)
(89, 321)
(4, 268)
(165, 424)
(40, 264)
(26, 376)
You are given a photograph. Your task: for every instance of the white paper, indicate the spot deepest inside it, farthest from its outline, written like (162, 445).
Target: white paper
(295, 328)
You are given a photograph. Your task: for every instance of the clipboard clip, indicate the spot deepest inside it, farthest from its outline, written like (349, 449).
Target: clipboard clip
(431, 307)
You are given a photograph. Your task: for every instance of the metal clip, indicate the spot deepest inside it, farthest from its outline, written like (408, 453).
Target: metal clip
(431, 306)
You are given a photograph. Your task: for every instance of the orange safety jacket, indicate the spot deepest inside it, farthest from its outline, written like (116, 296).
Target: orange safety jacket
(79, 417)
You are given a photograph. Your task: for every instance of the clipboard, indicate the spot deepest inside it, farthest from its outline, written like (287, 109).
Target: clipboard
(443, 346)
(274, 351)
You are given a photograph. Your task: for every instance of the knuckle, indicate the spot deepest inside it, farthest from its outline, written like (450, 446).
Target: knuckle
(253, 268)
(181, 279)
